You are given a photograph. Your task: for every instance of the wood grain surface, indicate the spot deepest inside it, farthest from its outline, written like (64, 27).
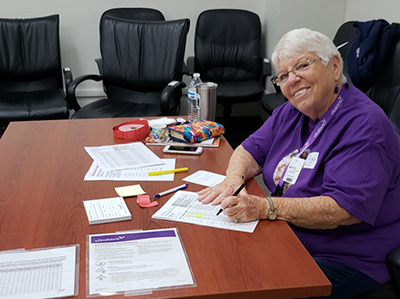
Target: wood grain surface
(42, 169)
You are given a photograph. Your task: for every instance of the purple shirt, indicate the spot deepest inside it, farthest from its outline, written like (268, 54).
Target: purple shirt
(356, 161)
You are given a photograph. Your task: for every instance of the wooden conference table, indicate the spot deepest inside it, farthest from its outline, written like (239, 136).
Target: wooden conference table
(42, 168)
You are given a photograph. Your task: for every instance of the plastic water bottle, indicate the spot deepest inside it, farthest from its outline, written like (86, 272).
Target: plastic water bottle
(193, 105)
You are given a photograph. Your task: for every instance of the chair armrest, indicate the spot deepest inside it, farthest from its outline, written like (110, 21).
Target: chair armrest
(190, 66)
(185, 70)
(267, 69)
(277, 88)
(67, 77)
(170, 98)
(393, 264)
(99, 62)
(71, 96)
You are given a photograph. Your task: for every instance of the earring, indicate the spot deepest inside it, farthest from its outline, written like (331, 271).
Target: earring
(336, 88)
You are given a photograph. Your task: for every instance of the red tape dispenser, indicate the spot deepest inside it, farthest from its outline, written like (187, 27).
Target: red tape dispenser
(132, 130)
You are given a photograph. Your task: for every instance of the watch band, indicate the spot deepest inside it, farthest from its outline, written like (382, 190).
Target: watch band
(272, 214)
(132, 130)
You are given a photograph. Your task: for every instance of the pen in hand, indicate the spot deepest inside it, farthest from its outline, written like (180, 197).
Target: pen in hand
(234, 194)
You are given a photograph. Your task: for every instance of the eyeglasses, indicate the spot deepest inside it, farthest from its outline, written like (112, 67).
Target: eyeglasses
(297, 69)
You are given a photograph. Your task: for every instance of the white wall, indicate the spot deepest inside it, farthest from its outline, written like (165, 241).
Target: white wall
(324, 16)
(365, 10)
(284, 15)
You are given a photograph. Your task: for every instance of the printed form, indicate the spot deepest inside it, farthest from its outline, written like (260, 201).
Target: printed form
(44, 273)
(95, 173)
(183, 206)
(137, 262)
(122, 156)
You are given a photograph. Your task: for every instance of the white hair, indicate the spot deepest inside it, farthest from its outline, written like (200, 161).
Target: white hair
(300, 41)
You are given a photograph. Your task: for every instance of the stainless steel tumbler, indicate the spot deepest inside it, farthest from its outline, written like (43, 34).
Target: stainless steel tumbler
(206, 96)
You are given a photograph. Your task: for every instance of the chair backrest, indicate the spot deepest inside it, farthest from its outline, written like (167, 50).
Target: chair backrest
(142, 56)
(386, 91)
(30, 54)
(344, 37)
(393, 263)
(134, 13)
(228, 45)
(131, 13)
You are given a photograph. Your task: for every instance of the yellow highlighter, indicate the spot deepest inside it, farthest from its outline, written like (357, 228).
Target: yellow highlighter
(168, 171)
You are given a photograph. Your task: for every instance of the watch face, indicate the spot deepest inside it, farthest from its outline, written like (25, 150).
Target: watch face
(272, 215)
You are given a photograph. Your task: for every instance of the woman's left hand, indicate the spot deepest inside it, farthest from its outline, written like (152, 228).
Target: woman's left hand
(245, 207)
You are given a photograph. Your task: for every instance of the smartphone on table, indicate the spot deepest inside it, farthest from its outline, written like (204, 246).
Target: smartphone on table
(190, 150)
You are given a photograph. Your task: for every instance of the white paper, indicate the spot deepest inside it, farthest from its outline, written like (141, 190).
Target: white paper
(162, 121)
(45, 273)
(133, 261)
(122, 156)
(106, 210)
(204, 178)
(95, 173)
(183, 206)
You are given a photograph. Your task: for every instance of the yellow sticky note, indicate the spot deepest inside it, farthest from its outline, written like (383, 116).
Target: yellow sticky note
(128, 191)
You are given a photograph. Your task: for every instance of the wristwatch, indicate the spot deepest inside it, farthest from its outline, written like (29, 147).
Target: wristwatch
(272, 214)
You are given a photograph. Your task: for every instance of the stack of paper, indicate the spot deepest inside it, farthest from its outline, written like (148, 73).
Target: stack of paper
(106, 210)
(127, 162)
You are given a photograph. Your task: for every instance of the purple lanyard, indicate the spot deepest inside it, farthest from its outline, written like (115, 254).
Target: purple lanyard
(317, 131)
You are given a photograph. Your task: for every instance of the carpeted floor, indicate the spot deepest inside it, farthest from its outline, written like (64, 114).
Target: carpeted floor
(238, 128)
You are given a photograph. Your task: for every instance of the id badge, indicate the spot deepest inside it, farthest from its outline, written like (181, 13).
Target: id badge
(311, 160)
(293, 170)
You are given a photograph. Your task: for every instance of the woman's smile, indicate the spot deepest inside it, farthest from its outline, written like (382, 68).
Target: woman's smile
(300, 92)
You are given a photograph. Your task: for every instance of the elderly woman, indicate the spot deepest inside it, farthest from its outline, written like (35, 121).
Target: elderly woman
(331, 158)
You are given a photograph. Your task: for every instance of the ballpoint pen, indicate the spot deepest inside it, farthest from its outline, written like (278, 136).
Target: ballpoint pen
(234, 194)
(167, 171)
(171, 190)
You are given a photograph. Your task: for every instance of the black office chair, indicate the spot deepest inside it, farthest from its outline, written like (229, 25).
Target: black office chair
(31, 76)
(141, 69)
(134, 13)
(386, 93)
(131, 13)
(343, 38)
(271, 101)
(227, 52)
(391, 289)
